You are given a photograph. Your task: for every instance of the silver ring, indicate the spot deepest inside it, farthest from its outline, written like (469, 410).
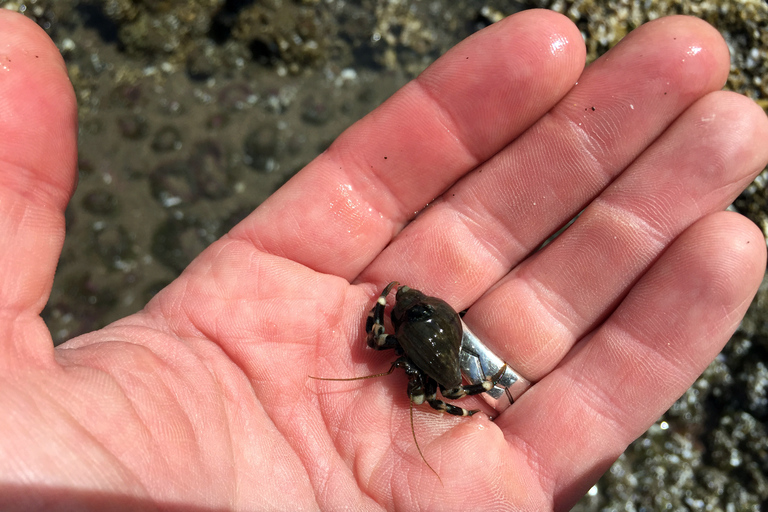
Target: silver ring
(478, 362)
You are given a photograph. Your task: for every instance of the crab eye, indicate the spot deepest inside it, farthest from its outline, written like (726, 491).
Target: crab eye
(402, 290)
(419, 313)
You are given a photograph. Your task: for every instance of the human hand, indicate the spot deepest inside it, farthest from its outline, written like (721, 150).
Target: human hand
(202, 399)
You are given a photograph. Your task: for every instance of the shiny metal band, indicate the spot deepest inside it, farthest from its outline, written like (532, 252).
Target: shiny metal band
(478, 362)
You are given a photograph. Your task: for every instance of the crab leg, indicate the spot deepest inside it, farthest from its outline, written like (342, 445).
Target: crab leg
(374, 326)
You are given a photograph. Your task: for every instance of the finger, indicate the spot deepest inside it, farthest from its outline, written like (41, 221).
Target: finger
(337, 214)
(580, 417)
(501, 212)
(38, 122)
(698, 166)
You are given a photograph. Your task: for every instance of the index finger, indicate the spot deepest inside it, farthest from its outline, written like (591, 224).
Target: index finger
(338, 213)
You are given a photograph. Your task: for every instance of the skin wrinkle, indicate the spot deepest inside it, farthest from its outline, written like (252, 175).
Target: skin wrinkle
(303, 459)
(177, 373)
(136, 479)
(554, 305)
(541, 334)
(447, 122)
(151, 436)
(325, 475)
(533, 460)
(365, 182)
(543, 194)
(657, 206)
(649, 357)
(605, 126)
(467, 215)
(462, 206)
(21, 216)
(167, 391)
(379, 468)
(405, 213)
(236, 470)
(632, 223)
(583, 144)
(591, 398)
(454, 259)
(31, 185)
(334, 440)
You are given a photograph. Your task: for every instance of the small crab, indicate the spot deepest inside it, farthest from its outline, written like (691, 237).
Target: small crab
(427, 339)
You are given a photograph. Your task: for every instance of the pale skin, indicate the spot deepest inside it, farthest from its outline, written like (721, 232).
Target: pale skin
(201, 401)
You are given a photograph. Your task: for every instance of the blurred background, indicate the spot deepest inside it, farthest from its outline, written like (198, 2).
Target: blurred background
(192, 112)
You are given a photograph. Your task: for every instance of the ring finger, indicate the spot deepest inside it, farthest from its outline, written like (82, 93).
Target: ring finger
(698, 166)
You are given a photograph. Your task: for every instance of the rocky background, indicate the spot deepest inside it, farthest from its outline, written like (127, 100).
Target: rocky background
(193, 111)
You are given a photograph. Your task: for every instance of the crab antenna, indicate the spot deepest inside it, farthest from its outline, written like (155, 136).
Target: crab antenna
(413, 431)
(350, 378)
(388, 372)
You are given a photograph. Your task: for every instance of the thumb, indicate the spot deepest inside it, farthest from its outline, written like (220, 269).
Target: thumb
(38, 153)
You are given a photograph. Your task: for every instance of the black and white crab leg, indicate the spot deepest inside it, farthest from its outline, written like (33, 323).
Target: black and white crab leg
(474, 389)
(374, 326)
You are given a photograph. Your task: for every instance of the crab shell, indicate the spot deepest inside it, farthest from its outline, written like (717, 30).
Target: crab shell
(430, 333)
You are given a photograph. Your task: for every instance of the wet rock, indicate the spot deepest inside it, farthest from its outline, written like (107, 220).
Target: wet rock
(113, 243)
(236, 96)
(209, 167)
(217, 121)
(756, 380)
(284, 31)
(739, 447)
(127, 95)
(171, 183)
(167, 138)
(178, 241)
(132, 126)
(261, 148)
(315, 111)
(100, 202)
(160, 26)
(202, 63)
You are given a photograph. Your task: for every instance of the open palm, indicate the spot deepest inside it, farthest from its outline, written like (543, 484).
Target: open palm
(202, 400)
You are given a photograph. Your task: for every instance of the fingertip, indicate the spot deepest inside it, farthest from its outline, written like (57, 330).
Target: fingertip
(19, 32)
(524, 64)
(38, 112)
(696, 55)
(705, 281)
(732, 255)
(556, 36)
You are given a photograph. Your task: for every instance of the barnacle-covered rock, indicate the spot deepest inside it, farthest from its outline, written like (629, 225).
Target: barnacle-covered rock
(162, 26)
(284, 30)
